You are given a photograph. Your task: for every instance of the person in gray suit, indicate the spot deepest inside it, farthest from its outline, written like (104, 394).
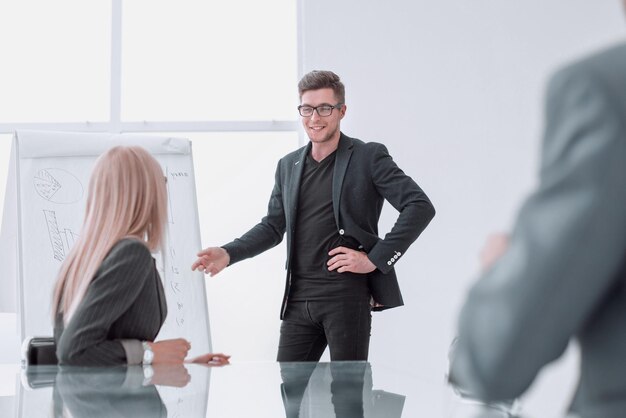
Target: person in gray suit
(561, 275)
(327, 198)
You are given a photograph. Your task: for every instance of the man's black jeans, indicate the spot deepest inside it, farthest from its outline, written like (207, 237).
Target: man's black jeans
(342, 324)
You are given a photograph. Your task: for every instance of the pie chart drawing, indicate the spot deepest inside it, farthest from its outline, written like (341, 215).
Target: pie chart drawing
(58, 186)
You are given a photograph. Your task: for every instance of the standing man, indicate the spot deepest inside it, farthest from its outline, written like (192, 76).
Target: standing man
(328, 197)
(562, 273)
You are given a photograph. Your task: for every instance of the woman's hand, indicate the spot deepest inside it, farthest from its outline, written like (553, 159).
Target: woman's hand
(175, 375)
(211, 359)
(170, 351)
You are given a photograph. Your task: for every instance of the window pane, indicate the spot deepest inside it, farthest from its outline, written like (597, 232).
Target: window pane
(56, 60)
(209, 60)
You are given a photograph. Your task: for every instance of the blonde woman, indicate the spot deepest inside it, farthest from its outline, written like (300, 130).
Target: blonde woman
(108, 302)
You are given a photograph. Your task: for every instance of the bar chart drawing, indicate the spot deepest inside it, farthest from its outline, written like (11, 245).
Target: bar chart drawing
(60, 240)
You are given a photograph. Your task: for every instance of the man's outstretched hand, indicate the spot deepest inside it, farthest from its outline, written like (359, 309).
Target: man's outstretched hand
(211, 260)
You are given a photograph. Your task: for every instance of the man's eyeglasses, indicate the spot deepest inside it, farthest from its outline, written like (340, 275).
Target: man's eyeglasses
(322, 110)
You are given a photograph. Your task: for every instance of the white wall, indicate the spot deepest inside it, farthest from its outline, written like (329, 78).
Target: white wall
(454, 89)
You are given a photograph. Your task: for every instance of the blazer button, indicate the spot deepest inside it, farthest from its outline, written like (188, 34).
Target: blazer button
(341, 232)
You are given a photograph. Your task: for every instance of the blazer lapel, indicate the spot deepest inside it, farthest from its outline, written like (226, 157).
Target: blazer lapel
(294, 184)
(344, 152)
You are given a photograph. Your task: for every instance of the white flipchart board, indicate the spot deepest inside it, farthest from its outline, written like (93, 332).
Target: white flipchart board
(44, 207)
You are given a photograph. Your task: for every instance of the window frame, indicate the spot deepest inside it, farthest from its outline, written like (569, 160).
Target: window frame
(116, 125)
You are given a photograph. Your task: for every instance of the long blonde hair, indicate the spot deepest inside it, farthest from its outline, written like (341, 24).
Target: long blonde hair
(127, 198)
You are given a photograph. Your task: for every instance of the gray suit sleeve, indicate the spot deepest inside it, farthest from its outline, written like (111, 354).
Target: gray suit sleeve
(116, 286)
(565, 250)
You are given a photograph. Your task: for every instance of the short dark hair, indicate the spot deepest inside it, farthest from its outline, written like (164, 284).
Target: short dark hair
(318, 79)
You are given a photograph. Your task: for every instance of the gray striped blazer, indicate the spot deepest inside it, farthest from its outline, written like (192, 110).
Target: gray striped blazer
(124, 305)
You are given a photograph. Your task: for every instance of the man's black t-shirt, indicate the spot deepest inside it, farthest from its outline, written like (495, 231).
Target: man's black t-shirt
(315, 235)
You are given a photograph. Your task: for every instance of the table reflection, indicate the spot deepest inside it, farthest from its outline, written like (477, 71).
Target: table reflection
(258, 389)
(341, 390)
(80, 394)
(114, 392)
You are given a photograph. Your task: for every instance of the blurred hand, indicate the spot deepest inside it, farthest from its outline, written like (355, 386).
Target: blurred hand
(211, 359)
(175, 375)
(170, 351)
(346, 259)
(495, 246)
(211, 260)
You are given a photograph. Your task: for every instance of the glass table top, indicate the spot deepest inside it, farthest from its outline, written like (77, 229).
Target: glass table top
(250, 389)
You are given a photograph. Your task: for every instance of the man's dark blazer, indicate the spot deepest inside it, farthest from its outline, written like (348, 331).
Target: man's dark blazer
(364, 177)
